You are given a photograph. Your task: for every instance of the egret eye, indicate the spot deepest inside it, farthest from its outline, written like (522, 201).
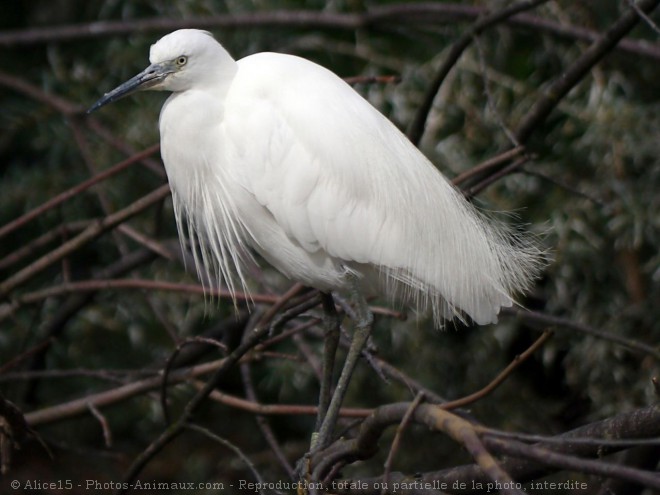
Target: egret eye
(181, 61)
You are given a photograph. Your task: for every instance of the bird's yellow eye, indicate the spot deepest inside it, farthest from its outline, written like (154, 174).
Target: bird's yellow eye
(181, 61)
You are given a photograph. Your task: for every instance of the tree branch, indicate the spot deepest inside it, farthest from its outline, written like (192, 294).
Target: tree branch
(488, 20)
(574, 74)
(638, 424)
(420, 13)
(89, 234)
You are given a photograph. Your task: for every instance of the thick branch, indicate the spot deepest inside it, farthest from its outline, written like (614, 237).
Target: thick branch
(421, 13)
(594, 54)
(458, 47)
(639, 424)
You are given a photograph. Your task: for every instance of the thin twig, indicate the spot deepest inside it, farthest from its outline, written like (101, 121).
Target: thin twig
(170, 362)
(497, 381)
(90, 233)
(565, 185)
(563, 461)
(127, 284)
(490, 101)
(263, 423)
(36, 93)
(88, 159)
(146, 241)
(262, 329)
(595, 442)
(397, 440)
(114, 375)
(488, 20)
(372, 79)
(107, 433)
(277, 409)
(74, 191)
(494, 162)
(497, 175)
(16, 360)
(31, 248)
(559, 322)
(643, 15)
(78, 407)
(576, 72)
(223, 441)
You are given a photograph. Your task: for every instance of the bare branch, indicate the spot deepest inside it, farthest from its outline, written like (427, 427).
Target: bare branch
(420, 13)
(559, 322)
(263, 423)
(488, 20)
(74, 191)
(397, 439)
(170, 362)
(80, 406)
(88, 235)
(263, 328)
(128, 284)
(574, 74)
(24, 355)
(107, 433)
(563, 461)
(492, 163)
(638, 424)
(232, 447)
(499, 379)
(643, 15)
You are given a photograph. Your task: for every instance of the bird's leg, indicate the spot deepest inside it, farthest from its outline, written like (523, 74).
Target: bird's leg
(330, 343)
(360, 337)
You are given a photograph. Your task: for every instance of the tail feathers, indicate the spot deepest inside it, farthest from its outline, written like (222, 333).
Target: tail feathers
(469, 294)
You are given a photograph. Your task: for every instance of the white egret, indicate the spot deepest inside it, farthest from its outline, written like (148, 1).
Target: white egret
(277, 154)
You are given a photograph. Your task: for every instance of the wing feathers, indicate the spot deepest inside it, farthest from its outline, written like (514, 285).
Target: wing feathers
(344, 182)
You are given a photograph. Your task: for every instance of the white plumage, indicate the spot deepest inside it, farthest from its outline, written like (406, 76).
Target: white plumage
(278, 154)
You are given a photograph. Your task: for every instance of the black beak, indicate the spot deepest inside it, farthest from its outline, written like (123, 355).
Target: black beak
(148, 78)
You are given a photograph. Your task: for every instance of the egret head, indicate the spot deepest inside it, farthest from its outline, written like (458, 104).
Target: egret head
(179, 60)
